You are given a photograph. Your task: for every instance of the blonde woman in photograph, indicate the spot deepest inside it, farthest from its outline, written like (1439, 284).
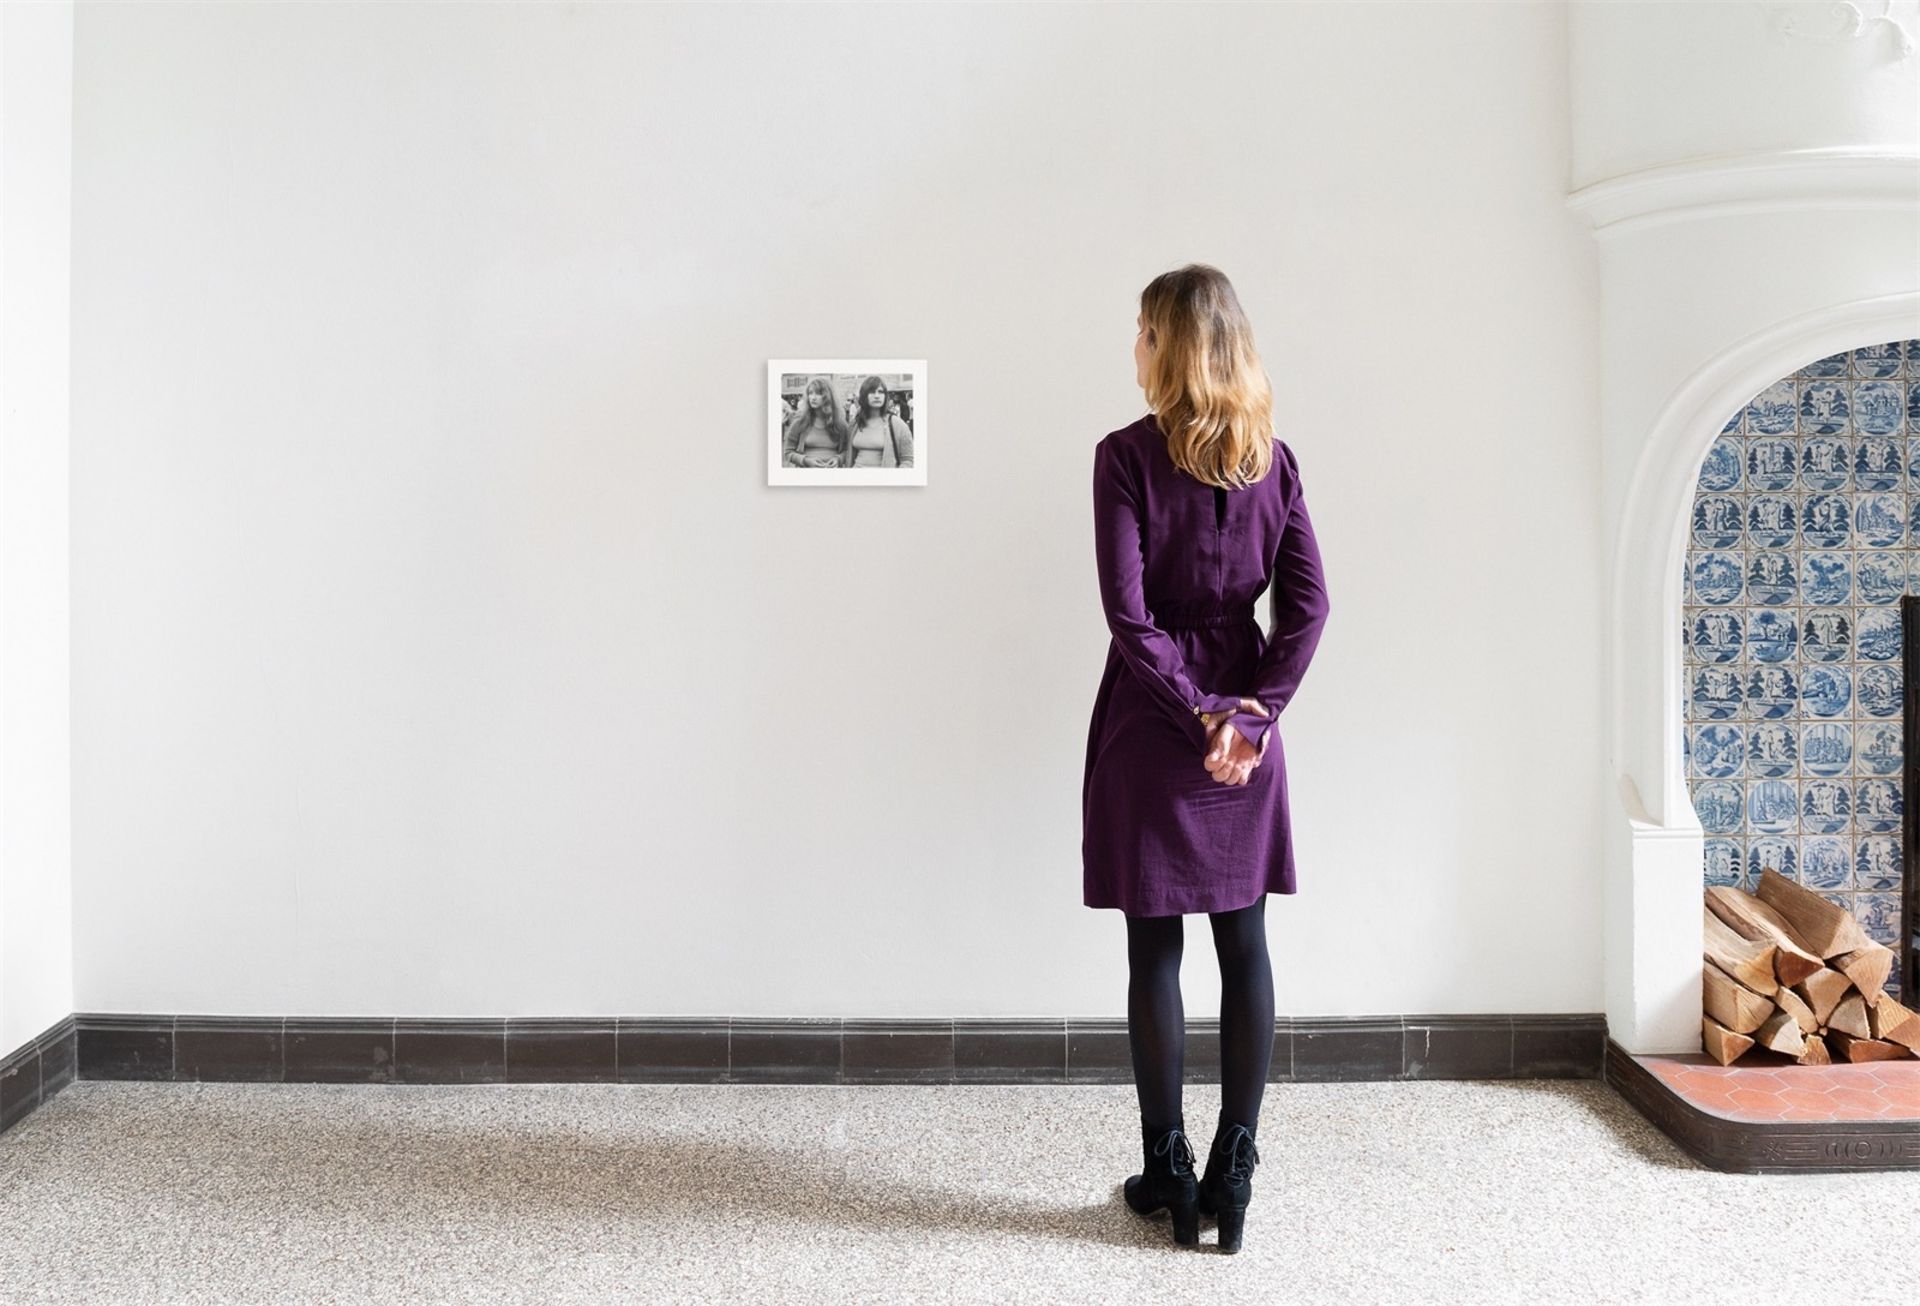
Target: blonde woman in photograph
(880, 437)
(816, 436)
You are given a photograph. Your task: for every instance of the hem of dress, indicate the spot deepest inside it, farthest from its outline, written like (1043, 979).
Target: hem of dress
(1106, 904)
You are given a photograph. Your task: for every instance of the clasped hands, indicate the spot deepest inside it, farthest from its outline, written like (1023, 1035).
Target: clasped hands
(1231, 759)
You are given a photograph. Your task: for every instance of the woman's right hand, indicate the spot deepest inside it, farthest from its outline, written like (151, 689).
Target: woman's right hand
(1231, 759)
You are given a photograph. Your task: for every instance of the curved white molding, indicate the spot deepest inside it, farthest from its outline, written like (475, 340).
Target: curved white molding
(1645, 592)
(1840, 177)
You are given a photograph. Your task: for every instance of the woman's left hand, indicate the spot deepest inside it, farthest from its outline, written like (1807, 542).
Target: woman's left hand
(1231, 759)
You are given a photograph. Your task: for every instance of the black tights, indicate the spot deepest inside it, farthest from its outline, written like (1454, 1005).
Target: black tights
(1156, 1019)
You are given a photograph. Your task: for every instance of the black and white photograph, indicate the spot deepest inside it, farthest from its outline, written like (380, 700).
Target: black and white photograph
(846, 421)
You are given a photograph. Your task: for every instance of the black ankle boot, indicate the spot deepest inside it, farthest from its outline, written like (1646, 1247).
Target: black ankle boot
(1167, 1181)
(1227, 1186)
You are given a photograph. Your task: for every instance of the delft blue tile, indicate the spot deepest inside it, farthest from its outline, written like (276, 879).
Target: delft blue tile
(1879, 407)
(1721, 806)
(1717, 693)
(1826, 748)
(1826, 634)
(1826, 521)
(1718, 522)
(1877, 806)
(1826, 807)
(1826, 462)
(1874, 360)
(1716, 750)
(1826, 690)
(1773, 521)
(1772, 691)
(1819, 466)
(1774, 411)
(1879, 916)
(1773, 750)
(1771, 635)
(1878, 463)
(1876, 862)
(1826, 862)
(1773, 806)
(1724, 863)
(1880, 577)
(1825, 406)
(1715, 635)
(1772, 576)
(1779, 852)
(1718, 576)
(1725, 464)
(1826, 577)
(1880, 690)
(1880, 519)
(1879, 748)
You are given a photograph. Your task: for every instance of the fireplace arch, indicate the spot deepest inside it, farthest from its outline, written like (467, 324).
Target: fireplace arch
(1653, 890)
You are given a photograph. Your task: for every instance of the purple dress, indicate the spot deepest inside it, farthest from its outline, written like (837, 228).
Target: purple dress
(1181, 564)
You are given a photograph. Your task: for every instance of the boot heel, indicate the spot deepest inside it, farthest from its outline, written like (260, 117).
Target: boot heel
(1186, 1221)
(1232, 1224)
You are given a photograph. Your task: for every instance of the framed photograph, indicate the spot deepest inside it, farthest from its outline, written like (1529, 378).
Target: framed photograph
(847, 421)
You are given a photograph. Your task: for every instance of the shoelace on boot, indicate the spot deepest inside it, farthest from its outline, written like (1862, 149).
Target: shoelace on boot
(1241, 1154)
(1179, 1152)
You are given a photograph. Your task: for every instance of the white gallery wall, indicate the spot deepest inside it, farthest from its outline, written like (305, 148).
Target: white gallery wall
(36, 892)
(438, 648)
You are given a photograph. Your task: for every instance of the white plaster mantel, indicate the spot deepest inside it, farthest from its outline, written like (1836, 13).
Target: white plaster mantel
(1756, 206)
(1731, 185)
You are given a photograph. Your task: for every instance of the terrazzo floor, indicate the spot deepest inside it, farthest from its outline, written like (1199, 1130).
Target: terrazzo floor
(1435, 1191)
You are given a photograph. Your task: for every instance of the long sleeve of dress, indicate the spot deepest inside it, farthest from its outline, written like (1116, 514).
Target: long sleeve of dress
(1147, 649)
(1297, 601)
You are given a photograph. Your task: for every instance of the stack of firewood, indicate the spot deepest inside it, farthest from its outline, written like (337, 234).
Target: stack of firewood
(1789, 970)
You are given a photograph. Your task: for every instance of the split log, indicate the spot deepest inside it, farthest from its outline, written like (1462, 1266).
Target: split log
(1890, 1021)
(1753, 919)
(1868, 968)
(1721, 1043)
(1823, 990)
(1732, 1003)
(1747, 960)
(1866, 1049)
(1850, 1017)
(1794, 1005)
(1781, 1034)
(1820, 926)
(1816, 1053)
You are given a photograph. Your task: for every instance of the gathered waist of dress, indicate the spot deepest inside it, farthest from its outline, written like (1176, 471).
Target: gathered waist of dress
(1182, 614)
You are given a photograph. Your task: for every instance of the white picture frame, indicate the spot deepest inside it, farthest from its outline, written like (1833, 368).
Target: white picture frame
(790, 378)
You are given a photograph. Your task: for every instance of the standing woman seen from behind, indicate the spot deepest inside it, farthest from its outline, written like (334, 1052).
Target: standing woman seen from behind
(1198, 509)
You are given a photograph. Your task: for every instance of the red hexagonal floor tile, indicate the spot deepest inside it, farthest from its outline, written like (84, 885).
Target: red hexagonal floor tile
(1764, 1085)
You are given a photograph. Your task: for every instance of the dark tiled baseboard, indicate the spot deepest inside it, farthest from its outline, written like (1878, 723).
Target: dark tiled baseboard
(694, 1050)
(32, 1074)
(1761, 1146)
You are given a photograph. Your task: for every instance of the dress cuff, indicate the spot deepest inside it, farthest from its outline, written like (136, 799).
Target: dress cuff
(1217, 703)
(1252, 727)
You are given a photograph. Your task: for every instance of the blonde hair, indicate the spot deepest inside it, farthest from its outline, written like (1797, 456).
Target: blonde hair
(1205, 382)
